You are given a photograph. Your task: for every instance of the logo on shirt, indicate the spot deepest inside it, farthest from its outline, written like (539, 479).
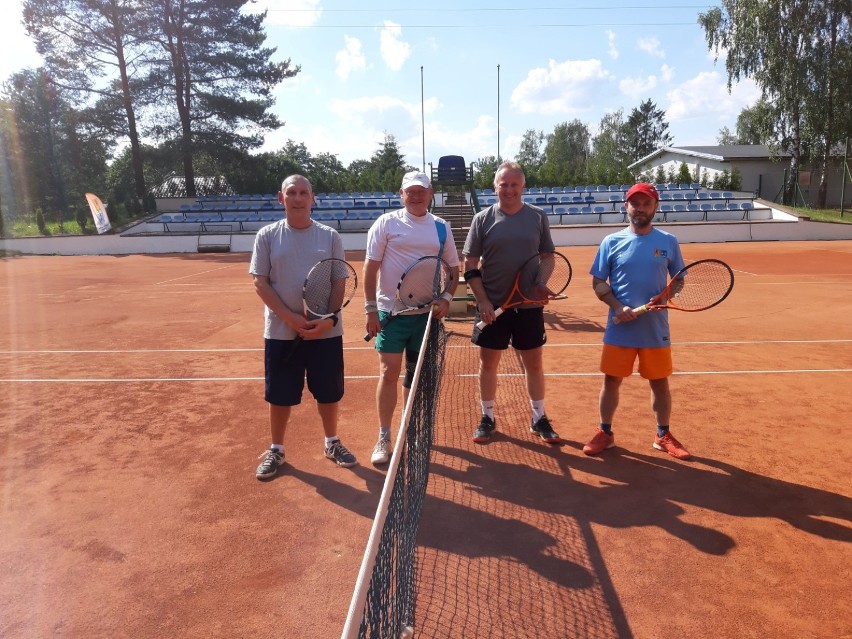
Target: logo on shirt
(658, 252)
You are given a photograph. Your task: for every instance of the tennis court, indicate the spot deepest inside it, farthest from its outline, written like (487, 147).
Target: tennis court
(131, 397)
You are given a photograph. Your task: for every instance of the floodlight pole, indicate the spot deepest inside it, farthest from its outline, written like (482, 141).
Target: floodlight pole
(498, 114)
(422, 118)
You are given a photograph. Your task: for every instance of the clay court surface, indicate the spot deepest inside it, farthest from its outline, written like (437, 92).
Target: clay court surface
(131, 417)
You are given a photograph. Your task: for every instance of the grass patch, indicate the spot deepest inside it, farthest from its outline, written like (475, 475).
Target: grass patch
(826, 215)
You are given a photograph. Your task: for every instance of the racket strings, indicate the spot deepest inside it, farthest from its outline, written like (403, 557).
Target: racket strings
(704, 284)
(545, 277)
(329, 287)
(425, 281)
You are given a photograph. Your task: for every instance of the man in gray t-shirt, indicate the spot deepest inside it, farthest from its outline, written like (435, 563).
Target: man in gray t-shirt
(501, 238)
(284, 253)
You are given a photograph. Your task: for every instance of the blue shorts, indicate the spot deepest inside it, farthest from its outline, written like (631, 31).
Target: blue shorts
(403, 332)
(320, 361)
(523, 327)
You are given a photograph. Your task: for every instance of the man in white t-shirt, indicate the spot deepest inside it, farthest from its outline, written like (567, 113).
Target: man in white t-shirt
(394, 242)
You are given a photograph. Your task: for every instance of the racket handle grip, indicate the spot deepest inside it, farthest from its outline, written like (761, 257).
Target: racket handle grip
(639, 310)
(480, 324)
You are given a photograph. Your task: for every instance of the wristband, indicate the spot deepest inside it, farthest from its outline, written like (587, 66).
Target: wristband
(447, 296)
(334, 320)
(472, 274)
(371, 307)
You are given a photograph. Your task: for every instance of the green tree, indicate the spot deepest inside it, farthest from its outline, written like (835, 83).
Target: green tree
(726, 137)
(798, 53)
(90, 48)
(565, 154)
(387, 166)
(484, 170)
(610, 158)
(217, 73)
(755, 124)
(54, 159)
(531, 155)
(646, 130)
(683, 175)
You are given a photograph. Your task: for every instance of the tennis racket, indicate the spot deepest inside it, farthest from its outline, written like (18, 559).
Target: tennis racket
(422, 283)
(695, 287)
(328, 288)
(540, 279)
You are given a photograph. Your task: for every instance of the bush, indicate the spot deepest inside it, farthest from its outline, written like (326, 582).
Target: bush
(82, 219)
(684, 176)
(40, 221)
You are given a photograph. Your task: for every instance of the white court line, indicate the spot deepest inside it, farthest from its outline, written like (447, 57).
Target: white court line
(370, 348)
(183, 277)
(145, 380)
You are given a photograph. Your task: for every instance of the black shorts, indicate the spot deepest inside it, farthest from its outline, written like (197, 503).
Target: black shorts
(523, 327)
(320, 361)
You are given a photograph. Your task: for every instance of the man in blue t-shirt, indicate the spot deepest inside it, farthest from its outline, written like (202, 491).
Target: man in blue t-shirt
(632, 266)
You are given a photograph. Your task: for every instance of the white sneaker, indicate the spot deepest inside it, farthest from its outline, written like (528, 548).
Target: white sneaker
(381, 453)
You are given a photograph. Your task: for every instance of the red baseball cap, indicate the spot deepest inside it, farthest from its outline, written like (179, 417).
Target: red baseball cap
(645, 189)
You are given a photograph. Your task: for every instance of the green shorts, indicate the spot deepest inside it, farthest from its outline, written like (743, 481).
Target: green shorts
(403, 332)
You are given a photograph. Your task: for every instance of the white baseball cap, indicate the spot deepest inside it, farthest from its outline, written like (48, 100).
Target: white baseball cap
(416, 178)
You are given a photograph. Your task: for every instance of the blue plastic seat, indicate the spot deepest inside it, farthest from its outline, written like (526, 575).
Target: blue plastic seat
(451, 170)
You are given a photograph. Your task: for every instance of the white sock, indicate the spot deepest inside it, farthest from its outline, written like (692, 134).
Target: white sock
(488, 408)
(384, 432)
(278, 447)
(537, 409)
(330, 440)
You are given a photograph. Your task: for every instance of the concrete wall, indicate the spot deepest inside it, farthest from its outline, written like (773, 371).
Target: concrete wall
(782, 227)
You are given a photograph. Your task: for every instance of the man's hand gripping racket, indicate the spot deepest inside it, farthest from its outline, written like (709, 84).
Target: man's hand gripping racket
(695, 287)
(422, 283)
(542, 278)
(328, 288)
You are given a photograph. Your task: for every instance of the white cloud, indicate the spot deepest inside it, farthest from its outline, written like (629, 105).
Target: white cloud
(637, 87)
(705, 99)
(288, 13)
(350, 58)
(651, 46)
(667, 73)
(612, 50)
(563, 88)
(473, 143)
(394, 50)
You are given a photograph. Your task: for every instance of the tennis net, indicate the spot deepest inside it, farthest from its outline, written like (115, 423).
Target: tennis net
(383, 603)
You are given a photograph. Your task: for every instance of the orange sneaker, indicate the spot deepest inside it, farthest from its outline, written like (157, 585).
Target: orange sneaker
(670, 445)
(600, 442)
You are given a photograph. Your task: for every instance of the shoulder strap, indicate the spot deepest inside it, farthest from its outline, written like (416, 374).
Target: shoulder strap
(442, 235)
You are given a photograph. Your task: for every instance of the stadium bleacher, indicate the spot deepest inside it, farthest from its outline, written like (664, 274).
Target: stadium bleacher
(564, 205)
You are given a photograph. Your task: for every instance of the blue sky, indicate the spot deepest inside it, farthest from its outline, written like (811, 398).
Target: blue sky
(363, 62)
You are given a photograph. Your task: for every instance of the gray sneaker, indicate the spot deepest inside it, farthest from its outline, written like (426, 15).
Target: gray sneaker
(339, 454)
(272, 459)
(381, 452)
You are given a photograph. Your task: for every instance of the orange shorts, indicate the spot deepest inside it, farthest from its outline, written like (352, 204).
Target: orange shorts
(654, 363)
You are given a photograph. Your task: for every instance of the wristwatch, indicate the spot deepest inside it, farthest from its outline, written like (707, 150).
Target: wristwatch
(334, 320)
